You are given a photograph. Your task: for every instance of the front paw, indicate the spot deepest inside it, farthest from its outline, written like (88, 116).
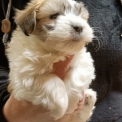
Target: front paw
(90, 98)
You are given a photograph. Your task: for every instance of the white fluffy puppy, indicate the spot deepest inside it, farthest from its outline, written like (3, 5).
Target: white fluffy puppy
(49, 31)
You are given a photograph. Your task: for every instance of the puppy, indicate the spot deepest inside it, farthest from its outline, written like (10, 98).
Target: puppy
(48, 32)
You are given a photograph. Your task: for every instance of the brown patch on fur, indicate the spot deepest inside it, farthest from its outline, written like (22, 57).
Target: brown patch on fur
(26, 19)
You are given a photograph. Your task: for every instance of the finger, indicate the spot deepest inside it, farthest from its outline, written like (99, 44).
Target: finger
(61, 67)
(83, 99)
(81, 103)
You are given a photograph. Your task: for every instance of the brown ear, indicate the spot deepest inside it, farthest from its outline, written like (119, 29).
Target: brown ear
(26, 20)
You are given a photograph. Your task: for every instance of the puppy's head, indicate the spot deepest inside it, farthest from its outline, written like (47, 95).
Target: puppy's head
(60, 25)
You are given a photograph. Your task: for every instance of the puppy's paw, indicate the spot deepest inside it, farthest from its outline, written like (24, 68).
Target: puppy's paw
(90, 97)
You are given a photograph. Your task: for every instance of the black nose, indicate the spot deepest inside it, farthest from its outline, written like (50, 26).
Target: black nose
(78, 28)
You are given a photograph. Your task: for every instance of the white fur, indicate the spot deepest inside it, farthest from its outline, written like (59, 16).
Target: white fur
(32, 59)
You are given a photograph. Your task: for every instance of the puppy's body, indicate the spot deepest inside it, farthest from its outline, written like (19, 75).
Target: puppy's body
(57, 29)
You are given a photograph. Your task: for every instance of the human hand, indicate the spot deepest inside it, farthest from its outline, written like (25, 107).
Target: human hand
(22, 111)
(61, 67)
(81, 103)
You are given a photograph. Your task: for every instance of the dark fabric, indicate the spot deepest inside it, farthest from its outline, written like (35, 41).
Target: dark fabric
(106, 50)
(4, 95)
(3, 75)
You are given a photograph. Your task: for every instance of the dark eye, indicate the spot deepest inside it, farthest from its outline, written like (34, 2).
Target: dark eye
(54, 16)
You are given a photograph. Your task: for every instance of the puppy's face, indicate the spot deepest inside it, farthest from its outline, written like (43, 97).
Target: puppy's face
(60, 25)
